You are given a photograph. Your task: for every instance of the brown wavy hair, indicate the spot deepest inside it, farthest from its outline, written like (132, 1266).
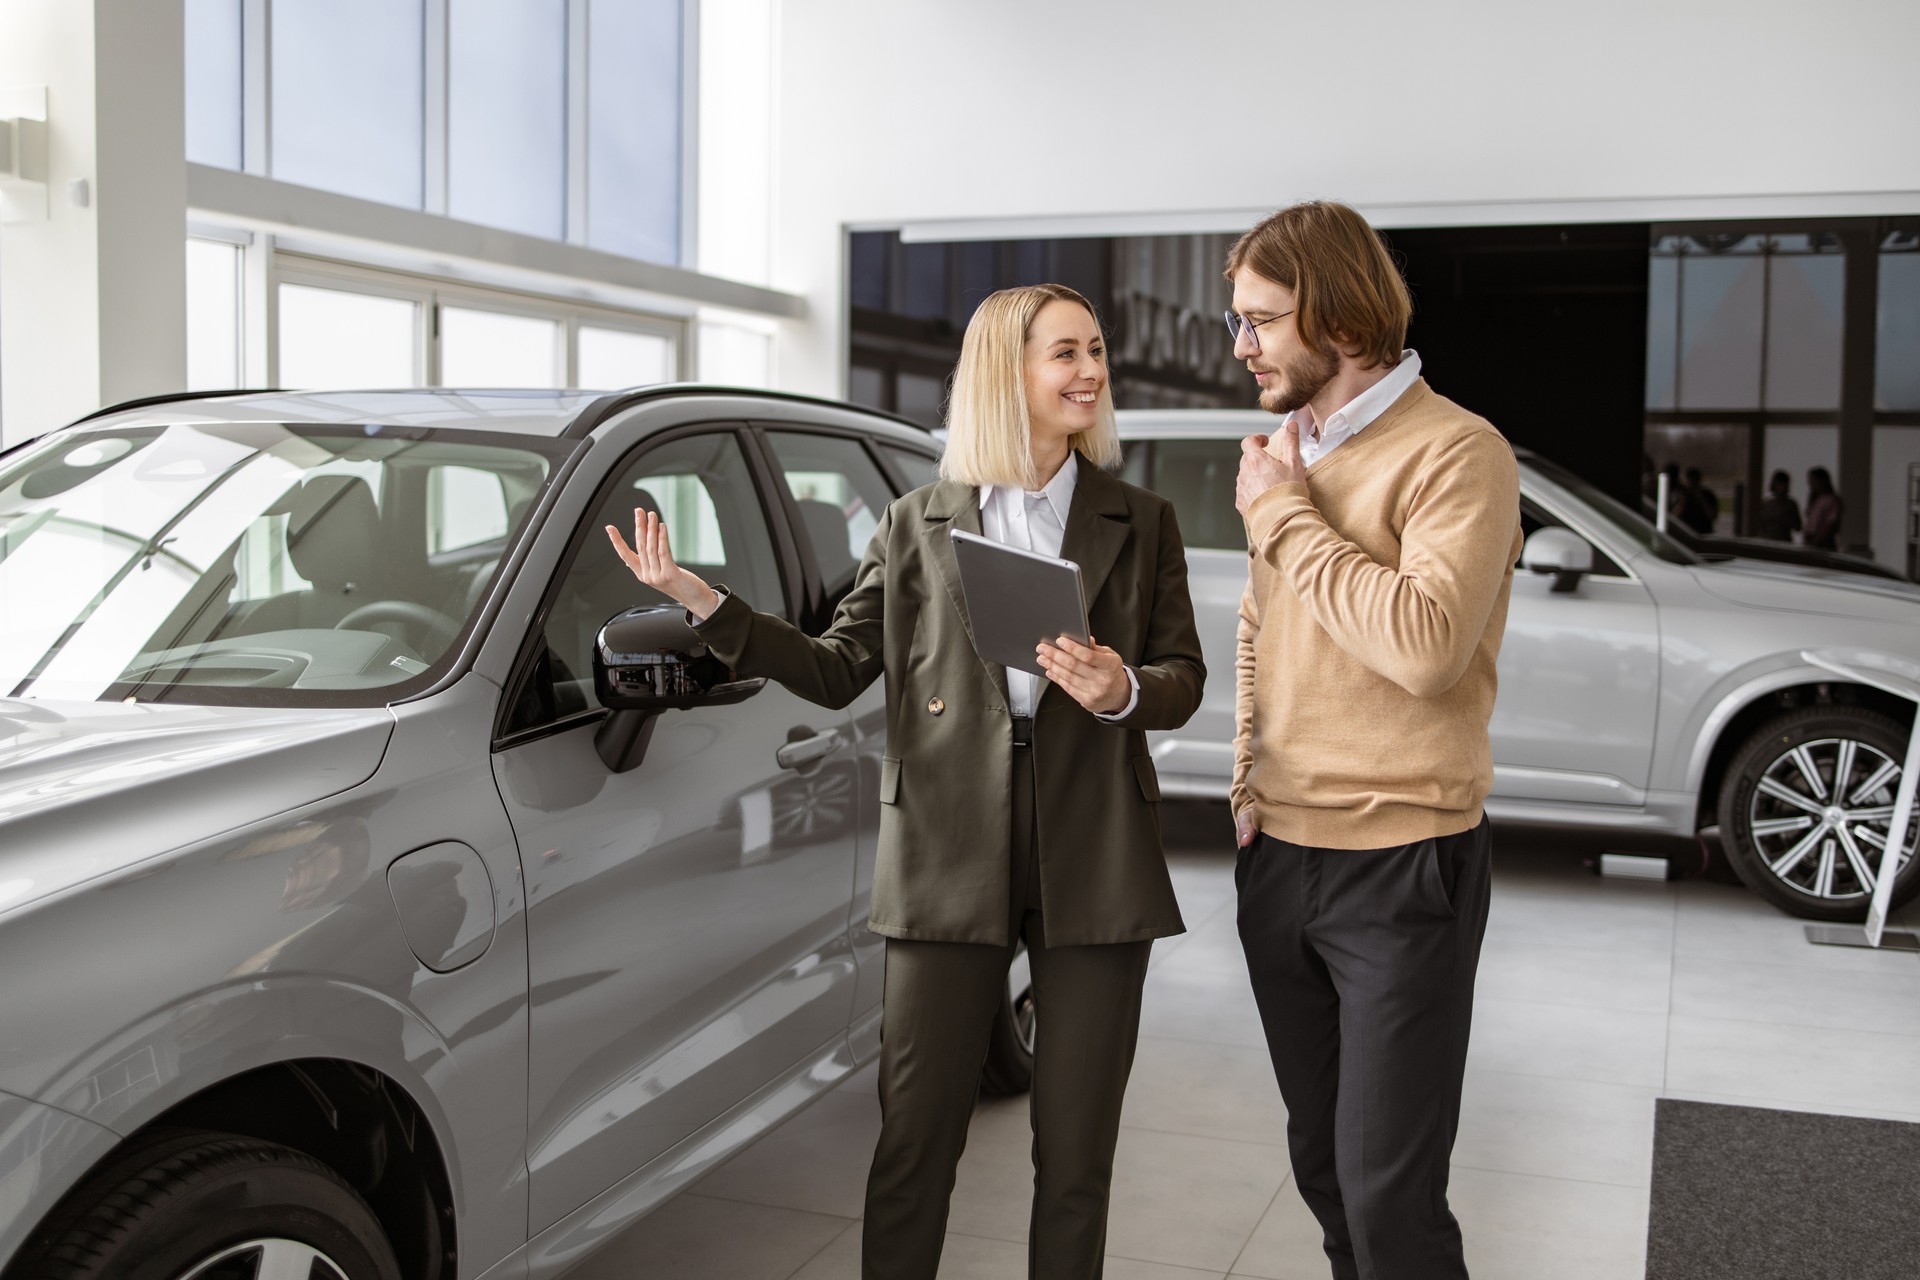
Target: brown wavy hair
(1347, 292)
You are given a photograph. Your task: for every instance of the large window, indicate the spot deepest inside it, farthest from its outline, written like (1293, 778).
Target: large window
(555, 118)
(342, 327)
(213, 315)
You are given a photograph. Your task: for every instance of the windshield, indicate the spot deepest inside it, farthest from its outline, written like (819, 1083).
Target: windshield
(1635, 529)
(256, 563)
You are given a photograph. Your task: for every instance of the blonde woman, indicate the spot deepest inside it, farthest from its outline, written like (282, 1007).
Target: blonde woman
(1013, 808)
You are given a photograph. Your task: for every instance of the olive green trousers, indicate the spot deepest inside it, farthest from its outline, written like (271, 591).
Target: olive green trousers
(941, 1001)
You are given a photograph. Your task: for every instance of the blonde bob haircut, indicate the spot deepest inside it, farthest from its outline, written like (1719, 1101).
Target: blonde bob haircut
(988, 430)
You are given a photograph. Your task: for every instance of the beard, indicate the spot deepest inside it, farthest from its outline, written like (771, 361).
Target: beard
(1301, 379)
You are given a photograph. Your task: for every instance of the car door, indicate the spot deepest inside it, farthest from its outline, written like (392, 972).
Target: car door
(1579, 682)
(837, 494)
(687, 920)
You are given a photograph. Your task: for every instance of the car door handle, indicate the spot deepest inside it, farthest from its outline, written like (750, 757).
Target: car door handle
(807, 750)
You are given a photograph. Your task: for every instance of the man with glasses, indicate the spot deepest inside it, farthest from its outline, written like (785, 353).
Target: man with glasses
(1383, 523)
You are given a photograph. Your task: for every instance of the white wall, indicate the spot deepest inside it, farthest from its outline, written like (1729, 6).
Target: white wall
(93, 297)
(897, 111)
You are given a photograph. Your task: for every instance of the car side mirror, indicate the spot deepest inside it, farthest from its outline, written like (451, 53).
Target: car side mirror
(1560, 552)
(648, 660)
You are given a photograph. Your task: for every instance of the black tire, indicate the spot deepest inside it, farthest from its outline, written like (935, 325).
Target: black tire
(171, 1207)
(1787, 847)
(1009, 1066)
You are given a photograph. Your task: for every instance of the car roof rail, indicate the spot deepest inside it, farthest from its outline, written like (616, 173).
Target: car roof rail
(598, 411)
(171, 397)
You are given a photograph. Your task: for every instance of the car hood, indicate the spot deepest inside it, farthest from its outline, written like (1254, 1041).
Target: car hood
(1798, 588)
(89, 788)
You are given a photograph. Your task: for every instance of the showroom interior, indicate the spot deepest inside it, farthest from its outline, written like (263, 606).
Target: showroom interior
(1667, 250)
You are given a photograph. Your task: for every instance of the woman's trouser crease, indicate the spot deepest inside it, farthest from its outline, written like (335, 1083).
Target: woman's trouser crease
(941, 1000)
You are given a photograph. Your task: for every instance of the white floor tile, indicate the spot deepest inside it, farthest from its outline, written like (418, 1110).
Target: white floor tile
(1189, 1202)
(1876, 999)
(1634, 981)
(1556, 1128)
(1205, 1090)
(1517, 1227)
(1568, 1042)
(695, 1237)
(1813, 1070)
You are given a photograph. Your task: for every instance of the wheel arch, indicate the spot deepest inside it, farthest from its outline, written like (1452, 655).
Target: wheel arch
(356, 1119)
(1735, 717)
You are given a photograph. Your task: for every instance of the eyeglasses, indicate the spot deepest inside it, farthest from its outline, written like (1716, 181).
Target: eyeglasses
(1238, 324)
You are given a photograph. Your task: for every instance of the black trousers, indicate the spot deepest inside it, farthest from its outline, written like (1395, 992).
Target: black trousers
(1362, 964)
(941, 1000)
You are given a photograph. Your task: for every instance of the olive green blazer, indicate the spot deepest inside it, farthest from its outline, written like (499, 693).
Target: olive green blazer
(942, 866)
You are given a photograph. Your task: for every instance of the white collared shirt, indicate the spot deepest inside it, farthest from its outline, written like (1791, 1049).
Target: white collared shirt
(1351, 418)
(1037, 522)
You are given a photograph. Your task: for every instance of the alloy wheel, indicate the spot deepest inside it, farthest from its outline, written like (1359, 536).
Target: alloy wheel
(1820, 815)
(271, 1259)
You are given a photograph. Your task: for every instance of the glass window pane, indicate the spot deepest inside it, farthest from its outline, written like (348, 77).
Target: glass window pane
(1803, 330)
(507, 114)
(612, 358)
(213, 315)
(213, 82)
(633, 128)
(735, 357)
(1897, 365)
(1720, 325)
(918, 468)
(1197, 477)
(348, 97)
(1663, 321)
(840, 493)
(493, 349)
(465, 507)
(331, 339)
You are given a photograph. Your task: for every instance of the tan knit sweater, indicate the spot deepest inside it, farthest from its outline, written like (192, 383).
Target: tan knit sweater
(1375, 603)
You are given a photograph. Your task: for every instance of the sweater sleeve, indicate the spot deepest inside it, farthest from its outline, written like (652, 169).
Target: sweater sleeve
(1171, 672)
(1417, 623)
(832, 670)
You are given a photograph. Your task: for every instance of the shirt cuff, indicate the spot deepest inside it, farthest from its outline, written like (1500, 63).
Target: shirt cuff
(720, 590)
(1133, 699)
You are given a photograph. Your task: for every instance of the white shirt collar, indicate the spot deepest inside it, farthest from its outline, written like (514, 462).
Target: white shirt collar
(1351, 418)
(1057, 491)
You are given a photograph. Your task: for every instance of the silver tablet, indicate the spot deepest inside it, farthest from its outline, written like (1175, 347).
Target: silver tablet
(1016, 599)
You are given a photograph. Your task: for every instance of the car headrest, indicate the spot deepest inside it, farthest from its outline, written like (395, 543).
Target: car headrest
(333, 532)
(827, 530)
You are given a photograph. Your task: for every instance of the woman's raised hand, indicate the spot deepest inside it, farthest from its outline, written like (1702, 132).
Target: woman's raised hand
(651, 559)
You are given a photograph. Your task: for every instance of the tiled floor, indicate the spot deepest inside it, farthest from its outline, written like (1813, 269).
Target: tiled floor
(1595, 998)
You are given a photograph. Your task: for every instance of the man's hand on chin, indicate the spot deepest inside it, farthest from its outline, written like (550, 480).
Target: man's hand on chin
(1261, 470)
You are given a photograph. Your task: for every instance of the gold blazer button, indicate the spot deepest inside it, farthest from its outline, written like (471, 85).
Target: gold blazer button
(935, 706)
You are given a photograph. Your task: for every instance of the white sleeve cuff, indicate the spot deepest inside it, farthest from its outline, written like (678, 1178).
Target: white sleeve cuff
(1133, 699)
(721, 593)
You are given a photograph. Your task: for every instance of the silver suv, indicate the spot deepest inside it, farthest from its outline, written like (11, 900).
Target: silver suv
(1644, 691)
(340, 935)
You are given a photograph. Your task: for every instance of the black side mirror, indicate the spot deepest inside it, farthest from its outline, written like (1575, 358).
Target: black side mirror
(645, 661)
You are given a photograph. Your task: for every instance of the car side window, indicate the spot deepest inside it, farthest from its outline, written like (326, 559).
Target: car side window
(840, 494)
(917, 467)
(1534, 516)
(702, 488)
(1196, 476)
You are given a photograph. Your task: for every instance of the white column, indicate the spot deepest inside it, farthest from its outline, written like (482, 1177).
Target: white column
(93, 296)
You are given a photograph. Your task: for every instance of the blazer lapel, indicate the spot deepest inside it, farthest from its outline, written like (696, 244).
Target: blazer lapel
(951, 506)
(1097, 527)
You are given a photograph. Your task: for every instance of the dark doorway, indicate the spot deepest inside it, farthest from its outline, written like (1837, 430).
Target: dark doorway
(1543, 331)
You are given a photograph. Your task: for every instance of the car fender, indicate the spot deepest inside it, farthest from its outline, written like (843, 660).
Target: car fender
(43, 1151)
(1734, 693)
(136, 1075)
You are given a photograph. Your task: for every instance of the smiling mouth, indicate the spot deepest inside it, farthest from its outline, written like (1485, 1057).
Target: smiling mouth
(1082, 397)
